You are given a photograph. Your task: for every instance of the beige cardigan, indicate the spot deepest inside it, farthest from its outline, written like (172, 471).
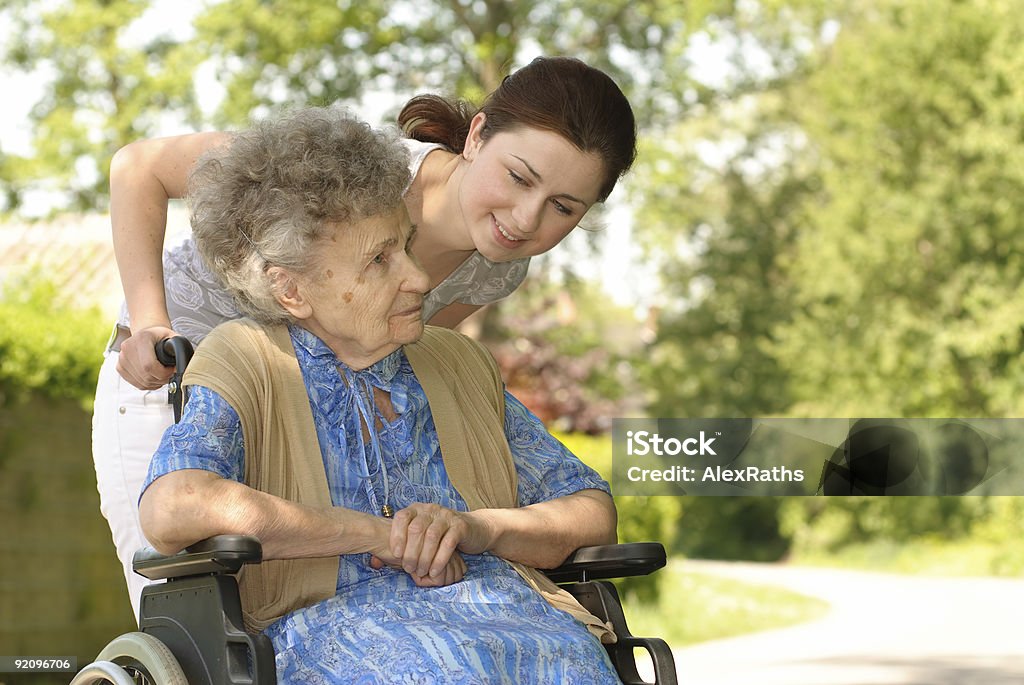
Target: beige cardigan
(255, 370)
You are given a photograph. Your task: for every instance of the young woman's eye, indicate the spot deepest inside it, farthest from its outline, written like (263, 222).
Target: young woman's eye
(516, 178)
(562, 209)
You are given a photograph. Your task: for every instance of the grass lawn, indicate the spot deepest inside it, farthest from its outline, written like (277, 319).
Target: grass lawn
(924, 557)
(695, 607)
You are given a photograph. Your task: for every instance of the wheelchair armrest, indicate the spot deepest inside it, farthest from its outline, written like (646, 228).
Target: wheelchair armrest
(609, 561)
(219, 554)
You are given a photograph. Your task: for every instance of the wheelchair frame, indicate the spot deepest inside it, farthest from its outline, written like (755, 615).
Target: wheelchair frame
(191, 631)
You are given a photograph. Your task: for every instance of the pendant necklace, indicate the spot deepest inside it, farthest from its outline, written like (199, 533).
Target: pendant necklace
(386, 510)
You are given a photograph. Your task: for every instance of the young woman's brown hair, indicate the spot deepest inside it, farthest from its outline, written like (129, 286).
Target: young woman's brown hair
(558, 94)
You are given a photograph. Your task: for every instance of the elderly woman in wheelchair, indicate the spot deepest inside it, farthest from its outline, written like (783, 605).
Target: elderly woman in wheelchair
(403, 498)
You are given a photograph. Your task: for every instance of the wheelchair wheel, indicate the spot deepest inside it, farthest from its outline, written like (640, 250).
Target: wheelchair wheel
(145, 659)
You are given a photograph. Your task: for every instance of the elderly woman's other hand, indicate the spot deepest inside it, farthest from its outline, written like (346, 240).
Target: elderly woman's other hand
(540, 535)
(426, 537)
(452, 572)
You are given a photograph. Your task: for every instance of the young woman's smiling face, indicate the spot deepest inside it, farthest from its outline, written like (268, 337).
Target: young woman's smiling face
(524, 190)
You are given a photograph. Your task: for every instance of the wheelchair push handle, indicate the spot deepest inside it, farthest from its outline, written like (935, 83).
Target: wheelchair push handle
(176, 352)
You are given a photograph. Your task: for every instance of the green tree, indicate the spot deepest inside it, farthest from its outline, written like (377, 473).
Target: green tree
(109, 83)
(720, 205)
(848, 243)
(723, 270)
(283, 52)
(47, 345)
(907, 289)
(104, 92)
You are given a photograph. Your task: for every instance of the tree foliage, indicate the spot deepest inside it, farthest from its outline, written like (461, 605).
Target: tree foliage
(111, 78)
(733, 221)
(847, 242)
(105, 91)
(281, 51)
(907, 280)
(47, 346)
(854, 232)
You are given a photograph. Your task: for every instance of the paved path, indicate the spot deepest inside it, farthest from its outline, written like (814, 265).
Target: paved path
(882, 629)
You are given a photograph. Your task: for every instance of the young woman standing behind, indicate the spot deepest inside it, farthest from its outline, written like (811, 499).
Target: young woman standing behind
(490, 189)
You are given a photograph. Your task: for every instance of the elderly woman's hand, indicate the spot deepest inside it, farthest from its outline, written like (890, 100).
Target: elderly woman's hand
(453, 571)
(426, 536)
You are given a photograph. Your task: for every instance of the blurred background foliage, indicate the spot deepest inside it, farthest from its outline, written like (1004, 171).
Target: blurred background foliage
(829, 199)
(47, 345)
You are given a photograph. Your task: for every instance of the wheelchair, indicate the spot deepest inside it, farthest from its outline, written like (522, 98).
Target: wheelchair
(190, 627)
(191, 630)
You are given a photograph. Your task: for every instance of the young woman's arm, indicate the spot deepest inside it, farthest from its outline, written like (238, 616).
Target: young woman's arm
(143, 176)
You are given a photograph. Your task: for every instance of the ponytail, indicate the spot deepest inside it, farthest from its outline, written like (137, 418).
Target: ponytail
(433, 119)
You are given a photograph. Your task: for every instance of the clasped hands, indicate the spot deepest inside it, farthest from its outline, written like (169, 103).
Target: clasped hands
(427, 542)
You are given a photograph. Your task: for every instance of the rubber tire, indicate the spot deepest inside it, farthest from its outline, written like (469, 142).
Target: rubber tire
(150, 653)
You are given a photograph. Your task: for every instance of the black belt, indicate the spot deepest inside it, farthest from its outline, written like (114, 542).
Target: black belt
(117, 338)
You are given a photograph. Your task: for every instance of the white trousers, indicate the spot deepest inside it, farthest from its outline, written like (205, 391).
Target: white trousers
(127, 426)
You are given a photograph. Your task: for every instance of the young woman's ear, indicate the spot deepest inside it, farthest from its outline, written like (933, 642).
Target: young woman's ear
(475, 137)
(288, 293)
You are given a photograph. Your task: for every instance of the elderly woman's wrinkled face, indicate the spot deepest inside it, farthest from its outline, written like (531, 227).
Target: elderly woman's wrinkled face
(365, 297)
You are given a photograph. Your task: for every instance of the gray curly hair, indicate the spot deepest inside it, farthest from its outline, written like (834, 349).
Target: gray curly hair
(266, 198)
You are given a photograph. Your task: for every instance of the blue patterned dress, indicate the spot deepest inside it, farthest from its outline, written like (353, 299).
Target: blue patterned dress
(490, 627)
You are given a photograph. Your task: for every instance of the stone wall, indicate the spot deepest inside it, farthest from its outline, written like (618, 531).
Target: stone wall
(62, 592)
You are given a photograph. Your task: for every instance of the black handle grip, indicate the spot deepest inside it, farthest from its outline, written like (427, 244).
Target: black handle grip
(176, 352)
